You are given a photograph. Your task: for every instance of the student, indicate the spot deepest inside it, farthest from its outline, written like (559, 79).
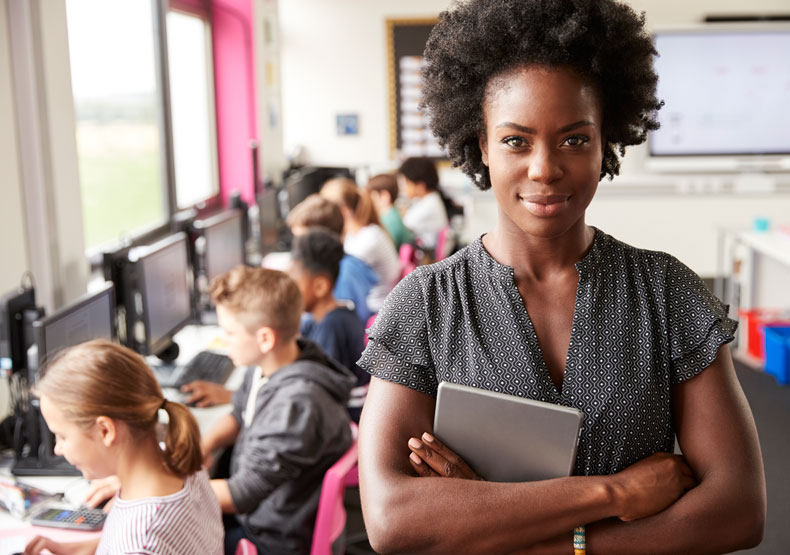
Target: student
(356, 278)
(427, 215)
(333, 326)
(103, 403)
(534, 99)
(289, 422)
(364, 238)
(383, 190)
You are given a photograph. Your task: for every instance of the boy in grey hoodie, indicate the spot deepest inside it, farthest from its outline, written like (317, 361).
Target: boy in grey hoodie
(289, 423)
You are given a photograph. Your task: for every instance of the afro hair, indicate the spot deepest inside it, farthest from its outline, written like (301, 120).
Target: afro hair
(603, 41)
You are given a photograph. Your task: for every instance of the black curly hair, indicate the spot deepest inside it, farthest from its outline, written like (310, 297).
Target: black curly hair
(603, 41)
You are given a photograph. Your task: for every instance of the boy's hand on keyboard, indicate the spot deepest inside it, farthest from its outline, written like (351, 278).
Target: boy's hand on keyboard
(102, 490)
(206, 394)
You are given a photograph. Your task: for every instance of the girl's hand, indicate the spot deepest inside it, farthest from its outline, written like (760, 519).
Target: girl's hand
(101, 490)
(430, 458)
(651, 485)
(40, 543)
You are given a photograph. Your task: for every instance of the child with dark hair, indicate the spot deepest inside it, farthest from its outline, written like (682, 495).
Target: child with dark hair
(427, 215)
(315, 265)
(383, 189)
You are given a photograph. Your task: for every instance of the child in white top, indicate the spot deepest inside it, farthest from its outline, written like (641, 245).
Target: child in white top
(364, 238)
(102, 403)
(427, 215)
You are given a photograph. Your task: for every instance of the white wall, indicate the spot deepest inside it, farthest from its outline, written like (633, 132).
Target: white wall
(334, 61)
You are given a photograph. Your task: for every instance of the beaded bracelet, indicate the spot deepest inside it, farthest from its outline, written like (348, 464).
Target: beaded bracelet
(579, 541)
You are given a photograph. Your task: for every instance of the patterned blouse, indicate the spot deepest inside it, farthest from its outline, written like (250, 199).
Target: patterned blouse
(643, 321)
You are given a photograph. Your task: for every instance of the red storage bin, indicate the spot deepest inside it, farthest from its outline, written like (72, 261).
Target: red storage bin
(754, 319)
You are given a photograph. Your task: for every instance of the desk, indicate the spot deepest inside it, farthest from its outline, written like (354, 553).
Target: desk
(191, 340)
(757, 265)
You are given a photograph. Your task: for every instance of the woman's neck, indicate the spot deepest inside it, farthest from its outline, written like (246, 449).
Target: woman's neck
(538, 257)
(143, 474)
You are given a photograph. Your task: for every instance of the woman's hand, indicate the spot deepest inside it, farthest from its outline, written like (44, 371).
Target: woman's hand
(429, 457)
(651, 485)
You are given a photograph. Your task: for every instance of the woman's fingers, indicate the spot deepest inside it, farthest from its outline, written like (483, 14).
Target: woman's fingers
(436, 457)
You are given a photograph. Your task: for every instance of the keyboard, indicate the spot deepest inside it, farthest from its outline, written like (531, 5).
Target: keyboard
(206, 366)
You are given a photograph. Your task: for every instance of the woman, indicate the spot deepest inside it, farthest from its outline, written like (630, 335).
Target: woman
(535, 99)
(364, 238)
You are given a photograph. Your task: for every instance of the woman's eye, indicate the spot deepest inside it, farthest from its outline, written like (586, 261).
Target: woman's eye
(577, 140)
(515, 142)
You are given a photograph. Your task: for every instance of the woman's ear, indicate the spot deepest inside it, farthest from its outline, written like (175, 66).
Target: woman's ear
(107, 430)
(483, 144)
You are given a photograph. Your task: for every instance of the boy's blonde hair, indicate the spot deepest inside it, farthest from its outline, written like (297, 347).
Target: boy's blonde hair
(316, 211)
(260, 297)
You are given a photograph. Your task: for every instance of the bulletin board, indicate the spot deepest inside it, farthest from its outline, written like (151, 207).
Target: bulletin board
(410, 134)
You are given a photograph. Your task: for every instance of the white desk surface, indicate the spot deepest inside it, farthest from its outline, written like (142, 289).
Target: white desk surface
(770, 243)
(191, 340)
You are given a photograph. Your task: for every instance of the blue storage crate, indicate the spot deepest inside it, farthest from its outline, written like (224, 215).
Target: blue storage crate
(777, 352)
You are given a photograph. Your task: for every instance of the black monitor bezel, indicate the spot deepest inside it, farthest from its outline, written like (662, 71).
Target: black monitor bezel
(203, 227)
(40, 325)
(150, 346)
(17, 302)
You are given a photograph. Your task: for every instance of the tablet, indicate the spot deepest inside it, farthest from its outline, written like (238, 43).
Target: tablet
(505, 438)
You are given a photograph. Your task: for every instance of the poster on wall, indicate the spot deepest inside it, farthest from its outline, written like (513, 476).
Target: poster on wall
(410, 133)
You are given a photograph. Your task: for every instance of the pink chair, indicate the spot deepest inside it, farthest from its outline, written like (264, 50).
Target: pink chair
(246, 547)
(408, 259)
(330, 519)
(441, 244)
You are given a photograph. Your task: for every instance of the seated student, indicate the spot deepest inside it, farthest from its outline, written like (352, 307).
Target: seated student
(383, 190)
(356, 278)
(427, 215)
(289, 423)
(315, 263)
(102, 403)
(364, 238)
(353, 283)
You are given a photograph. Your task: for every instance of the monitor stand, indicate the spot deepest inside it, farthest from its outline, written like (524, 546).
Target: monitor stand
(39, 459)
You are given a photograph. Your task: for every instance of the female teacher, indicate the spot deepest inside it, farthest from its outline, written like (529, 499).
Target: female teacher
(536, 100)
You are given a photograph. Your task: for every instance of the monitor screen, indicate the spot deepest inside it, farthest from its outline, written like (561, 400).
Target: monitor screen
(726, 91)
(164, 290)
(224, 243)
(89, 317)
(271, 224)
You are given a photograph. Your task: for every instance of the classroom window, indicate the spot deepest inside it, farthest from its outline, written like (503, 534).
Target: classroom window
(113, 71)
(192, 108)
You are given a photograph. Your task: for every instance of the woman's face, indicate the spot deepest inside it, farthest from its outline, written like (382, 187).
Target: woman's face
(543, 148)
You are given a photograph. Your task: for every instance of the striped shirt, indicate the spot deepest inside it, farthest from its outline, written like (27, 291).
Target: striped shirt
(185, 522)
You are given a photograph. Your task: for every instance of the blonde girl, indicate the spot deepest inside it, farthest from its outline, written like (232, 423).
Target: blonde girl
(103, 403)
(363, 237)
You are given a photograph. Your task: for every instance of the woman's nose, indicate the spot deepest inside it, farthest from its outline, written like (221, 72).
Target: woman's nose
(543, 165)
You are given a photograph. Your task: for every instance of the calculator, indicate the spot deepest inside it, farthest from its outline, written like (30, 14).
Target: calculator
(81, 518)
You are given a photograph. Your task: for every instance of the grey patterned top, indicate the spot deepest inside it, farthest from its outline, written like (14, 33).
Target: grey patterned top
(642, 322)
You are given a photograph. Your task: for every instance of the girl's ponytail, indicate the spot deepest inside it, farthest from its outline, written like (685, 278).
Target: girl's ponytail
(182, 441)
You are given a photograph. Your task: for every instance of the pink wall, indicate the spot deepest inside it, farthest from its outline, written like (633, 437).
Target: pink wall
(234, 85)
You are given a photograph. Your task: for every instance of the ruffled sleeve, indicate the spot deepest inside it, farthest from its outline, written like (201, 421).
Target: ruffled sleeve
(697, 322)
(398, 349)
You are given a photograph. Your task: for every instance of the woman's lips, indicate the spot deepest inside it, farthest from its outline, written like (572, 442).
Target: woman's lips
(544, 205)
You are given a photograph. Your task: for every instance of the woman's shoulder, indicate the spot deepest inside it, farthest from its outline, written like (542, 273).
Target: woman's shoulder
(609, 248)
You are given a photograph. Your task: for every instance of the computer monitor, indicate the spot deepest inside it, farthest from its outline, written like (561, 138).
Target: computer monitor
(13, 308)
(160, 302)
(303, 182)
(220, 243)
(91, 316)
(270, 220)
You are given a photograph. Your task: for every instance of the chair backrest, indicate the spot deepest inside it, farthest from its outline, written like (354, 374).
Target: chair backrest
(441, 243)
(408, 259)
(246, 547)
(330, 520)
